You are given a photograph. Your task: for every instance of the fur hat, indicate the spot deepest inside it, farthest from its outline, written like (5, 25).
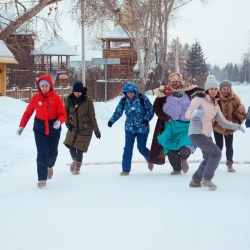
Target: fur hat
(44, 82)
(225, 83)
(211, 82)
(78, 87)
(174, 77)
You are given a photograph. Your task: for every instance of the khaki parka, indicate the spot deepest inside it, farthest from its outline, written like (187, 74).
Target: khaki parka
(81, 122)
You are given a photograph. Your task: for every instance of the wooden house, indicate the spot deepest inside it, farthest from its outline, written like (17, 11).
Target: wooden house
(6, 57)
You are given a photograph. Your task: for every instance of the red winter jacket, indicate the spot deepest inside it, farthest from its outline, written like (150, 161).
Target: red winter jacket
(48, 106)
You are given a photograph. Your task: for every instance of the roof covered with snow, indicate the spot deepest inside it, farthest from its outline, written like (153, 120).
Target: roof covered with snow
(116, 33)
(56, 46)
(5, 54)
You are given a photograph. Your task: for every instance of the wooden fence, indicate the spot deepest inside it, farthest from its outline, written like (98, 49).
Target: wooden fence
(26, 94)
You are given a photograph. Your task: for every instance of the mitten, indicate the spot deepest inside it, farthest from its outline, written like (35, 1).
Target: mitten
(238, 127)
(19, 131)
(199, 113)
(69, 127)
(247, 123)
(98, 134)
(145, 122)
(110, 124)
(57, 124)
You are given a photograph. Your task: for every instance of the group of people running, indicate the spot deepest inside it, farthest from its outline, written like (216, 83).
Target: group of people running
(187, 116)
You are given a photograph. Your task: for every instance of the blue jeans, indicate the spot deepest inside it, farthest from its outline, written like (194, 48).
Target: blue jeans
(128, 149)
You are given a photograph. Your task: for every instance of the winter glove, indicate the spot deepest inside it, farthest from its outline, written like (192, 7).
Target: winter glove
(98, 134)
(110, 124)
(19, 131)
(247, 123)
(69, 127)
(145, 122)
(57, 124)
(198, 113)
(238, 127)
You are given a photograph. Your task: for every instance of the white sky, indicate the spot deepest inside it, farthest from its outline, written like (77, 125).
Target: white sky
(222, 27)
(100, 210)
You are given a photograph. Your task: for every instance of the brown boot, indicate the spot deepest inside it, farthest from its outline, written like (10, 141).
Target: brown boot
(150, 166)
(175, 172)
(50, 173)
(184, 165)
(72, 166)
(209, 184)
(230, 166)
(41, 184)
(193, 184)
(77, 168)
(124, 173)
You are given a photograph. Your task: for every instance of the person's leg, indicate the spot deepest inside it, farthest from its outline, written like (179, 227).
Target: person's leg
(53, 141)
(42, 155)
(174, 160)
(229, 153)
(78, 163)
(73, 153)
(211, 155)
(229, 147)
(184, 153)
(218, 139)
(128, 151)
(141, 145)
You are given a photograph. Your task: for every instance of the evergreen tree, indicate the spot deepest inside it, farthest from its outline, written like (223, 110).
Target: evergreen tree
(230, 72)
(216, 72)
(195, 66)
(244, 70)
(235, 75)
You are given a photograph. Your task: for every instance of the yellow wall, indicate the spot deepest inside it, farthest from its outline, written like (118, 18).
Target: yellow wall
(3, 79)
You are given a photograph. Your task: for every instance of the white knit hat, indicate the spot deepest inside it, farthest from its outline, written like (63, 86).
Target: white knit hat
(44, 82)
(211, 83)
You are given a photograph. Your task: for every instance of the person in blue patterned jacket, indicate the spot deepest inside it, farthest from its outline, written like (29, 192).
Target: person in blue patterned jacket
(139, 111)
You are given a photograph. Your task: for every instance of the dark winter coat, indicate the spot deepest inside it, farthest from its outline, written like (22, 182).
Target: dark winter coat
(156, 152)
(81, 121)
(229, 107)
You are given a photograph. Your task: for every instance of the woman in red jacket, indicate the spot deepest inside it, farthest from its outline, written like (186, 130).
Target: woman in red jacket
(50, 114)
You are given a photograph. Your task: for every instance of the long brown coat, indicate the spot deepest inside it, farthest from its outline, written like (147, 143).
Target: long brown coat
(156, 152)
(83, 122)
(229, 107)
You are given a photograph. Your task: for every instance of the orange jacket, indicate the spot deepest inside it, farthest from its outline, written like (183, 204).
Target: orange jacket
(48, 106)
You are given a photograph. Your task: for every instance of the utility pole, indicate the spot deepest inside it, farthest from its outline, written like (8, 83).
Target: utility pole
(177, 68)
(83, 41)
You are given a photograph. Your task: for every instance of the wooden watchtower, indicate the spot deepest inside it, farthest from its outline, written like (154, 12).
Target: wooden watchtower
(119, 45)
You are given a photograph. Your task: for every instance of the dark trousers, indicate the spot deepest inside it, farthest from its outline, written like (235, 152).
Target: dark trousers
(47, 151)
(211, 157)
(229, 144)
(175, 157)
(128, 149)
(76, 153)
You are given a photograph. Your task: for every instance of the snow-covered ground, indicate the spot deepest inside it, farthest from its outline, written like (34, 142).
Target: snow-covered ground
(100, 210)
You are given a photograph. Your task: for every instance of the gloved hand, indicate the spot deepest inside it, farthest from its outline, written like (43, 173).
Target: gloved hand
(238, 127)
(110, 124)
(57, 124)
(198, 113)
(19, 131)
(69, 127)
(145, 122)
(247, 123)
(98, 134)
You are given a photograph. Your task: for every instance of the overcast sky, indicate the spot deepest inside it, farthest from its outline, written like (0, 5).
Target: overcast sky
(222, 27)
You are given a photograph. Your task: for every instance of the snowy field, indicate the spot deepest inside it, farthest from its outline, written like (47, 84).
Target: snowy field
(100, 210)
